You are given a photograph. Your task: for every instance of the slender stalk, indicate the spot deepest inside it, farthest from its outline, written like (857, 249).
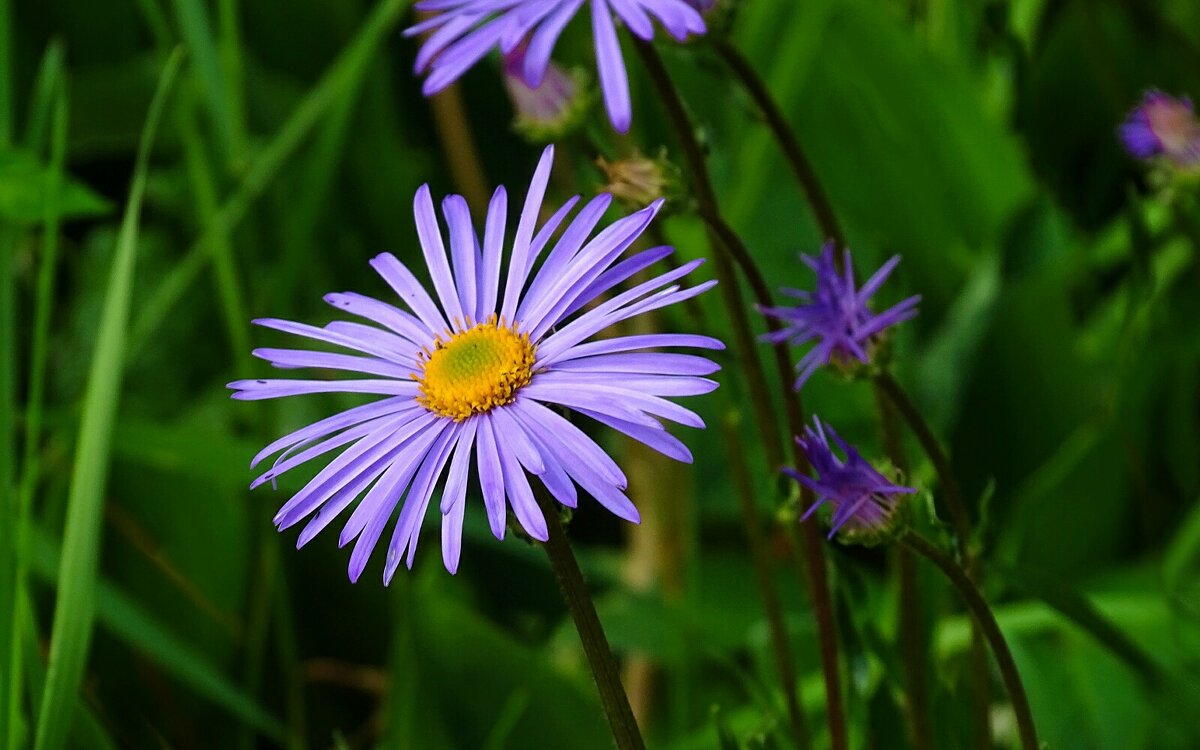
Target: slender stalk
(959, 520)
(595, 644)
(961, 524)
(808, 540)
(778, 124)
(991, 630)
(766, 585)
(912, 646)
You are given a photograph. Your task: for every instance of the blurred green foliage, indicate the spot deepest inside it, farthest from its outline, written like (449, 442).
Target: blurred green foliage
(1057, 353)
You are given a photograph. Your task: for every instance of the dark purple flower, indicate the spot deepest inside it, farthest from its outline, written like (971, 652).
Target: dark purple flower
(836, 315)
(864, 500)
(483, 367)
(464, 31)
(1163, 126)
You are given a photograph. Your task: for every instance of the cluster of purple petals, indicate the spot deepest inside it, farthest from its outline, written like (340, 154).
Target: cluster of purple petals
(835, 316)
(462, 32)
(863, 499)
(394, 452)
(1163, 125)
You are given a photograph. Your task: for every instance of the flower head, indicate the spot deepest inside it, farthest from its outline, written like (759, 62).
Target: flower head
(1163, 126)
(864, 500)
(463, 31)
(554, 107)
(836, 315)
(638, 179)
(482, 368)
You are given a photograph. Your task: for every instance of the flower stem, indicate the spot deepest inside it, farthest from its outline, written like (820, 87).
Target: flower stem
(591, 633)
(961, 524)
(912, 644)
(991, 630)
(959, 520)
(778, 124)
(766, 585)
(808, 540)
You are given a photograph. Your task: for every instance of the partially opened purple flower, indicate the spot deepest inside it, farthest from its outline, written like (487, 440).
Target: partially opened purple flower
(864, 500)
(1163, 126)
(554, 107)
(464, 31)
(483, 371)
(836, 316)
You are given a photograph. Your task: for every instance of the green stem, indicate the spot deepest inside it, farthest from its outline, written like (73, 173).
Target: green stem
(991, 629)
(595, 644)
(808, 540)
(778, 124)
(766, 584)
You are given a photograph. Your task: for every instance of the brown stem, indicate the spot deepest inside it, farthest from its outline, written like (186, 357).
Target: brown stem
(808, 541)
(591, 633)
(912, 645)
(766, 585)
(961, 523)
(778, 124)
(991, 629)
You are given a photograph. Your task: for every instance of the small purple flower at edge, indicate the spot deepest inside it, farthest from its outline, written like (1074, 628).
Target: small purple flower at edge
(864, 500)
(476, 374)
(464, 31)
(1162, 125)
(835, 315)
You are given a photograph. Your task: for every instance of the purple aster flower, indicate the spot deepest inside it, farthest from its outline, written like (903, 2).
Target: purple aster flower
(864, 501)
(466, 30)
(481, 369)
(836, 315)
(1163, 126)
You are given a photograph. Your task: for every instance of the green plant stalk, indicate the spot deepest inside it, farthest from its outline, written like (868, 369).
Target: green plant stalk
(8, 345)
(44, 304)
(229, 47)
(982, 613)
(595, 644)
(777, 122)
(808, 539)
(351, 63)
(228, 286)
(766, 585)
(76, 602)
(960, 522)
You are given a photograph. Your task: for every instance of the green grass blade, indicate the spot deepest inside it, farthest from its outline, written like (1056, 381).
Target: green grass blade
(118, 613)
(229, 46)
(350, 65)
(76, 601)
(196, 31)
(45, 91)
(44, 303)
(8, 588)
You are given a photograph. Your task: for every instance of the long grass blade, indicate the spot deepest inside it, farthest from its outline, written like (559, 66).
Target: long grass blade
(350, 65)
(45, 91)
(76, 601)
(196, 31)
(8, 346)
(43, 305)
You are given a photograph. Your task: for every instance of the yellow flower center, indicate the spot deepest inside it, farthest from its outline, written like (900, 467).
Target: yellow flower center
(475, 370)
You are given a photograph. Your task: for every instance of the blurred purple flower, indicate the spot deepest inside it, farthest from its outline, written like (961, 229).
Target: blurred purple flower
(552, 108)
(836, 315)
(864, 501)
(1162, 125)
(479, 370)
(463, 31)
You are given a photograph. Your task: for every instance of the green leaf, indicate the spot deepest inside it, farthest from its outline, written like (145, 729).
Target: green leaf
(75, 607)
(24, 185)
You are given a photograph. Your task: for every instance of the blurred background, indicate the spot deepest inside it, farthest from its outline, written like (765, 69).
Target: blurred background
(1057, 354)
